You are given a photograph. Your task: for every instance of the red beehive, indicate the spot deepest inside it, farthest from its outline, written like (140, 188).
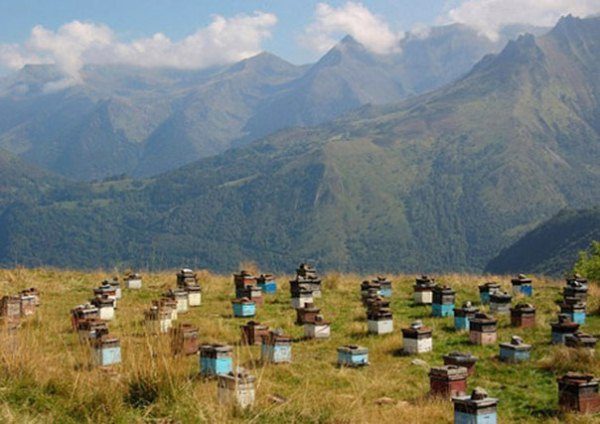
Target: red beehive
(448, 381)
(578, 393)
(254, 332)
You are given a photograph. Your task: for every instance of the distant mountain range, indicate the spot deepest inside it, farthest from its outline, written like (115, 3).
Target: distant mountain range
(551, 248)
(142, 122)
(439, 182)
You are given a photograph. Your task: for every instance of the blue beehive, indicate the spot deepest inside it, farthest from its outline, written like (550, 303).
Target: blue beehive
(522, 285)
(575, 309)
(353, 356)
(276, 348)
(485, 290)
(267, 283)
(107, 351)
(443, 301)
(475, 409)
(463, 315)
(385, 286)
(243, 308)
(563, 328)
(515, 351)
(215, 359)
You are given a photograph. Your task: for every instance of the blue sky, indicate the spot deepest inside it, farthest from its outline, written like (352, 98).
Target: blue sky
(194, 34)
(132, 19)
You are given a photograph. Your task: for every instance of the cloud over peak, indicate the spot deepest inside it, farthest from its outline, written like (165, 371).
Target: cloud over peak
(330, 23)
(77, 43)
(490, 16)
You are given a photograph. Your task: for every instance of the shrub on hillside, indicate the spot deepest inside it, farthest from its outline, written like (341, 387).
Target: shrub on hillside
(588, 263)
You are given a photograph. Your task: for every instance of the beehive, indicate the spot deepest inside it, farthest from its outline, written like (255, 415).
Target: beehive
(133, 281)
(417, 339)
(448, 381)
(461, 359)
(181, 297)
(385, 286)
(443, 301)
(106, 307)
(353, 356)
(317, 329)
(243, 308)
(580, 340)
(483, 329)
(158, 319)
(423, 290)
(83, 312)
(276, 348)
(194, 295)
(236, 388)
(380, 321)
(90, 329)
(267, 283)
(475, 409)
(522, 286)
(215, 359)
(562, 328)
(486, 289)
(254, 332)
(500, 303)
(462, 316)
(522, 315)
(575, 310)
(184, 339)
(515, 351)
(307, 314)
(578, 393)
(106, 351)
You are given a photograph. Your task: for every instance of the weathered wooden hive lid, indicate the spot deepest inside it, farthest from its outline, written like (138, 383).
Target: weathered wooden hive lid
(464, 356)
(584, 338)
(240, 375)
(443, 288)
(483, 317)
(448, 371)
(524, 307)
(353, 349)
(521, 279)
(216, 348)
(500, 296)
(489, 285)
(242, 301)
(580, 379)
(106, 340)
(320, 320)
(193, 288)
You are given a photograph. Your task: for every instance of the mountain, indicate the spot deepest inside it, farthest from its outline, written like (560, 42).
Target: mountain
(141, 122)
(350, 76)
(443, 181)
(552, 247)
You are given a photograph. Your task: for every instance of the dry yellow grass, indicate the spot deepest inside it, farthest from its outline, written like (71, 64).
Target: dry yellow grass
(45, 374)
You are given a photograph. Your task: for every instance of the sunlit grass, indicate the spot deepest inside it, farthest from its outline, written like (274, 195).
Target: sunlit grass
(45, 374)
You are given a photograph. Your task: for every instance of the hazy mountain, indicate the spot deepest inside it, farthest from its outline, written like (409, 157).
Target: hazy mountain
(440, 182)
(552, 247)
(145, 121)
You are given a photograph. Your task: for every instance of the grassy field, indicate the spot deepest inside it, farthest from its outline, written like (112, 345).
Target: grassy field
(45, 374)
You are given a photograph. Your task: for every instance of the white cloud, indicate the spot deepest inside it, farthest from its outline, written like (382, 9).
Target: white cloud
(73, 45)
(354, 19)
(489, 16)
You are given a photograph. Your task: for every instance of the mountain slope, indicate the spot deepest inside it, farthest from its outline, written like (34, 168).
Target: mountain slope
(552, 247)
(146, 121)
(440, 182)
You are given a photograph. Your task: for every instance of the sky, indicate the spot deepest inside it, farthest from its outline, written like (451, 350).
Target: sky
(194, 34)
